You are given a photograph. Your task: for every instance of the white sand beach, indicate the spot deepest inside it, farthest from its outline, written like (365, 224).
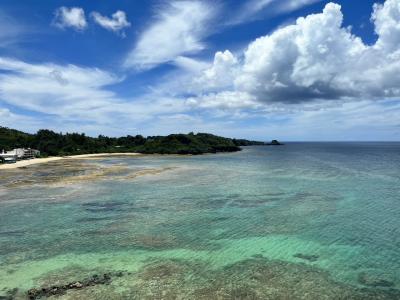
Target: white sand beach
(25, 163)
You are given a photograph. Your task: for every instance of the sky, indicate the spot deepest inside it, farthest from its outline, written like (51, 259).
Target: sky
(293, 70)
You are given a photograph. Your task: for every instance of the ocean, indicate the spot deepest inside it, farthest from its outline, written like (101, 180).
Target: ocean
(299, 221)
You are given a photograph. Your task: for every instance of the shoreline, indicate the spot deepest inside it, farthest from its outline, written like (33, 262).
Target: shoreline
(34, 161)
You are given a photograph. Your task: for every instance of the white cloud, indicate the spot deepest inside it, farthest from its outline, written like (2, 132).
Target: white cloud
(73, 17)
(250, 10)
(12, 30)
(292, 5)
(386, 18)
(221, 74)
(302, 61)
(54, 89)
(318, 59)
(189, 64)
(257, 9)
(178, 30)
(73, 96)
(116, 23)
(223, 101)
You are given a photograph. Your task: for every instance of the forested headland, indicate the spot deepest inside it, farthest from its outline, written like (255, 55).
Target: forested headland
(51, 143)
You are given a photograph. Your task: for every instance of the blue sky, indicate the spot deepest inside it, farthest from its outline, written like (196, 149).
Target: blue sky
(262, 69)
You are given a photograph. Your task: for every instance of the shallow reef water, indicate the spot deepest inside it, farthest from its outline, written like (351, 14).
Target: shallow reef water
(303, 221)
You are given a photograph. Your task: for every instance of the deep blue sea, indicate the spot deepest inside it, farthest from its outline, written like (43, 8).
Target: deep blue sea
(299, 221)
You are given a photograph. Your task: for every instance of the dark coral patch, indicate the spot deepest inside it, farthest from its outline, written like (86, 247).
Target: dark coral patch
(309, 257)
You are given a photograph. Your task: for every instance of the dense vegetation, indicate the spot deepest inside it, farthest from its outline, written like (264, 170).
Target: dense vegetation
(51, 143)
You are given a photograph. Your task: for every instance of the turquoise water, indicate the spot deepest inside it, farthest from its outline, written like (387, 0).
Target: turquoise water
(302, 221)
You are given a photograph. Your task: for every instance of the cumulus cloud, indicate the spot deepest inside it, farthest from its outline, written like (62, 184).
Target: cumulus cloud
(386, 18)
(305, 61)
(116, 23)
(73, 17)
(222, 72)
(178, 30)
(317, 59)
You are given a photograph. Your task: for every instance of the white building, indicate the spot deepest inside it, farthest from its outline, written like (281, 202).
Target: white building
(19, 153)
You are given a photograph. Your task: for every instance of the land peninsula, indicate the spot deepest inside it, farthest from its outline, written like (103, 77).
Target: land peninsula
(50, 143)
